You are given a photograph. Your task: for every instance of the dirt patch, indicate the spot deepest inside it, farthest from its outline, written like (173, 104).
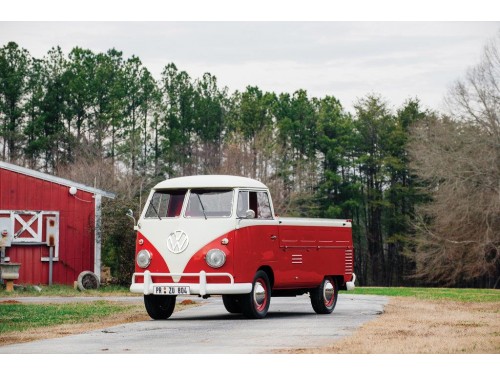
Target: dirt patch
(188, 302)
(414, 326)
(10, 302)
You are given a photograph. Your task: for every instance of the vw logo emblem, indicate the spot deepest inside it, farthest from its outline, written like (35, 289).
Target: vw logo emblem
(177, 241)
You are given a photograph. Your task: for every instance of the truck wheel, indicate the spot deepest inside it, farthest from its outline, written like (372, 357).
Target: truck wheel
(256, 304)
(232, 303)
(324, 297)
(159, 307)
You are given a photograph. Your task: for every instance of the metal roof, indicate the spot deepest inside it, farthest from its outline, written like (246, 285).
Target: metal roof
(210, 181)
(54, 179)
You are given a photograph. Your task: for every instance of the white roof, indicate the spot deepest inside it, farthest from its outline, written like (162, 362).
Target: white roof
(54, 179)
(210, 181)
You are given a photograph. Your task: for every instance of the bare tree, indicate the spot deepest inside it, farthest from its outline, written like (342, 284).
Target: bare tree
(459, 157)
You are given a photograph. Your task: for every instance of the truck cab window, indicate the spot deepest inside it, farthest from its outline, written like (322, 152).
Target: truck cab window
(258, 201)
(242, 204)
(263, 206)
(209, 203)
(166, 203)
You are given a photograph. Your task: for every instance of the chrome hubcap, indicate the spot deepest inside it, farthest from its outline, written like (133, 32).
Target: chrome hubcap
(328, 291)
(259, 293)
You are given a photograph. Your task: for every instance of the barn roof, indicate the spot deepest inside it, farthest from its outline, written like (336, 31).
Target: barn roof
(54, 179)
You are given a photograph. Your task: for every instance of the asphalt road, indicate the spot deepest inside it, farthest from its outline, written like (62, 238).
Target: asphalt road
(209, 329)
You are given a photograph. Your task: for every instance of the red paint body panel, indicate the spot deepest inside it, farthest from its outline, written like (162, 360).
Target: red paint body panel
(198, 263)
(299, 256)
(76, 228)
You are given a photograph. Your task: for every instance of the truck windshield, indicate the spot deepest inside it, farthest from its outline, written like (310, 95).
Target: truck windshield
(209, 203)
(166, 203)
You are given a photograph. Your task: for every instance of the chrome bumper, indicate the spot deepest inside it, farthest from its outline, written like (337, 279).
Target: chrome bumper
(202, 288)
(350, 284)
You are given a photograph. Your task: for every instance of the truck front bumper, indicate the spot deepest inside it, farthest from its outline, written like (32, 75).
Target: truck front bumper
(202, 288)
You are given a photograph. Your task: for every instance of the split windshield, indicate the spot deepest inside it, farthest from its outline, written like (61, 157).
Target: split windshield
(202, 203)
(166, 203)
(206, 203)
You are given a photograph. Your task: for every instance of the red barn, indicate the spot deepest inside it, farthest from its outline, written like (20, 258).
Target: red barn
(50, 225)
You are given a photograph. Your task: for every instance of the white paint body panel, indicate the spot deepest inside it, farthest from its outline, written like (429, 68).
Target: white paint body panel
(210, 181)
(199, 231)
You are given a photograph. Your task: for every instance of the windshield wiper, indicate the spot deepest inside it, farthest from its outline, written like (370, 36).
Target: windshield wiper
(154, 208)
(202, 207)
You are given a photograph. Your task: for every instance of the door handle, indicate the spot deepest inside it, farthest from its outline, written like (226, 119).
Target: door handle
(273, 237)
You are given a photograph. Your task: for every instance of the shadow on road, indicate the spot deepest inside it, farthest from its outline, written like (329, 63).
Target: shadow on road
(270, 315)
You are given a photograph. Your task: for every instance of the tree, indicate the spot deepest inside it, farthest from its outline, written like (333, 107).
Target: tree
(35, 90)
(402, 195)
(79, 75)
(51, 134)
(459, 158)
(336, 143)
(107, 94)
(14, 69)
(374, 124)
(176, 122)
(209, 104)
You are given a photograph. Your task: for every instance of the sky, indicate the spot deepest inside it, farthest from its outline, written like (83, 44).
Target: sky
(348, 59)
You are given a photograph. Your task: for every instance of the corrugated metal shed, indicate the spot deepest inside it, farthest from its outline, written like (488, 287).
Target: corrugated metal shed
(41, 211)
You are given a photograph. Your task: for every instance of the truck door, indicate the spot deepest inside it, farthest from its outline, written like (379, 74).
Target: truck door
(257, 234)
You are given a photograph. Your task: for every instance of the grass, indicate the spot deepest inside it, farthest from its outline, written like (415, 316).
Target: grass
(65, 291)
(452, 294)
(18, 317)
(24, 322)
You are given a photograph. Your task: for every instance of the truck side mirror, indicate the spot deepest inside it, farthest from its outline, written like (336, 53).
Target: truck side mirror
(130, 214)
(250, 214)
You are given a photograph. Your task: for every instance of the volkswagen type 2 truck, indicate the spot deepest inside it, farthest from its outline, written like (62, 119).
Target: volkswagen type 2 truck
(218, 235)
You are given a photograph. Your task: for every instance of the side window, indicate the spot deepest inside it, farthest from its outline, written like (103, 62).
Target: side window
(258, 201)
(263, 206)
(242, 203)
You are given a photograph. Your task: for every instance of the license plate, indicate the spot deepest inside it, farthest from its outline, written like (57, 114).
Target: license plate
(171, 290)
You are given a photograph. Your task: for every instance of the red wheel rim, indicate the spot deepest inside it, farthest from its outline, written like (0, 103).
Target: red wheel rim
(260, 295)
(329, 292)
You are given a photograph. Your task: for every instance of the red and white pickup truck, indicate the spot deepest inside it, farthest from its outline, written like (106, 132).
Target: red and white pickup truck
(218, 235)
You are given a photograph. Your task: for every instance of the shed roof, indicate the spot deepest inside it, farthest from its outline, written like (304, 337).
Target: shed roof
(210, 181)
(54, 179)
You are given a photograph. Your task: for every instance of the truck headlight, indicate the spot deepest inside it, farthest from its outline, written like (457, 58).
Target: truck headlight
(215, 258)
(143, 258)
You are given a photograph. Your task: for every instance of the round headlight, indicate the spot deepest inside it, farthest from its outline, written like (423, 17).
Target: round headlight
(215, 258)
(143, 258)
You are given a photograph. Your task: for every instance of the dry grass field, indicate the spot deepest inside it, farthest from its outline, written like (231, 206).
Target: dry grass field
(415, 326)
